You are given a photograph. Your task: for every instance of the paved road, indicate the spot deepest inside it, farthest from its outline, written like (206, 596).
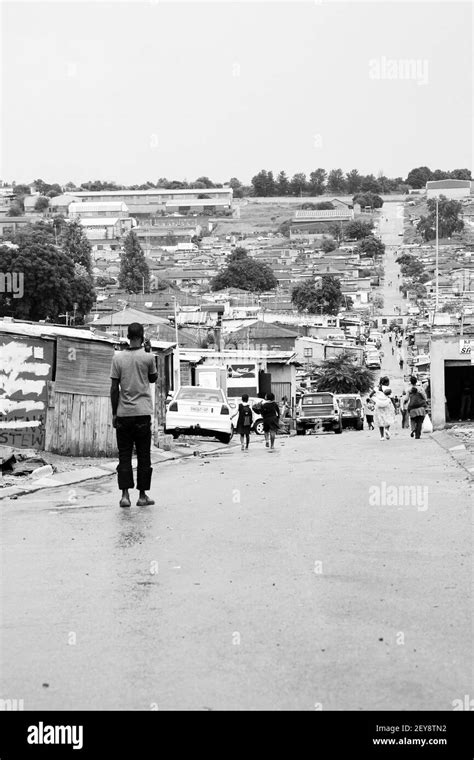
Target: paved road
(258, 581)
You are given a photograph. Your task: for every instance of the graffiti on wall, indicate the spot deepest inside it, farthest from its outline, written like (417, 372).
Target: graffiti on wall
(25, 368)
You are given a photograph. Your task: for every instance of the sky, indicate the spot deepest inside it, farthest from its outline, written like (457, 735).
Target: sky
(135, 91)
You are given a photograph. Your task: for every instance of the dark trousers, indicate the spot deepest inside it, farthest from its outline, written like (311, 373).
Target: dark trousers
(134, 430)
(418, 424)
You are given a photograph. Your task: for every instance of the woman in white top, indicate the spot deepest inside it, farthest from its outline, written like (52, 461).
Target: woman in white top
(384, 415)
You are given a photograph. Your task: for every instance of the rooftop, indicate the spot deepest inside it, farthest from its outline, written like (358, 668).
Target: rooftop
(127, 316)
(157, 192)
(439, 184)
(40, 329)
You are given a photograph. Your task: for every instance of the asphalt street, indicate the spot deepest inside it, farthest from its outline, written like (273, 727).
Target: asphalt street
(334, 573)
(257, 581)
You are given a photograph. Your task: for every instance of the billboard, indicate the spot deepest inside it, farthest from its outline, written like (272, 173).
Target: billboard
(242, 377)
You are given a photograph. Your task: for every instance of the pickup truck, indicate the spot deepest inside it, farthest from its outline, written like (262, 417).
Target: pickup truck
(318, 409)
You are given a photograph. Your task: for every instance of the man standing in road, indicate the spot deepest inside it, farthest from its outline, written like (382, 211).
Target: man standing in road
(132, 372)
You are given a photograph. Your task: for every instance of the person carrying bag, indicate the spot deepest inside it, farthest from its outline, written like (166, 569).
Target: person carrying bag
(416, 410)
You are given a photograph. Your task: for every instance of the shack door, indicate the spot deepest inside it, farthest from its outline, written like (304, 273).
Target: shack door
(264, 383)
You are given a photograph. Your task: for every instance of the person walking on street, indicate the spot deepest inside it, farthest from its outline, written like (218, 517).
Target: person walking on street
(244, 416)
(132, 372)
(369, 408)
(416, 410)
(390, 336)
(404, 409)
(384, 415)
(271, 420)
(400, 362)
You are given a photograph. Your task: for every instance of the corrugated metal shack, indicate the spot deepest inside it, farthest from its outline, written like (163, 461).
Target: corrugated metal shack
(54, 389)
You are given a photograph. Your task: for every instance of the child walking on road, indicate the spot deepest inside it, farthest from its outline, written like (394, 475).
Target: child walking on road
(271, 420)
(244, 422)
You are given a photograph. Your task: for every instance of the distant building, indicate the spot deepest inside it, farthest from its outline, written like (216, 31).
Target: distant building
(10, 224)
(106, 228)
(164, 199)
(115, 209)
(454, 189)
(263, 336)
(308, 222)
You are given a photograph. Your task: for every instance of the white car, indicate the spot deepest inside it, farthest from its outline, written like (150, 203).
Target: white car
(372, 360)
(194, 410)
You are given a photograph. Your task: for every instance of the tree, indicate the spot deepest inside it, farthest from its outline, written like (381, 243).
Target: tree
(452, 307)
(298, 184)
(75, 243)
(282, 184)
(371, 246)
(354, 181)
(411, 267)
(417, 178)
(15, 209)
(21, 189)
(42, 203)
(448, 219)
(134, 274)
(237, 187)
(461, 174)
(205, 181)
(328, 245)
(102, 281)
(377, 301)
(370, 185)
(358, 229)
(326, 299)
(245, 273)
(263, 184)
(284, 228)
(368, 199)
(84, 293)
(336, 181)
(317, 182)
(340, 374)
(49, 279)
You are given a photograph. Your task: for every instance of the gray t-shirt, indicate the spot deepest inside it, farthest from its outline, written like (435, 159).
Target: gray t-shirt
(131, 368)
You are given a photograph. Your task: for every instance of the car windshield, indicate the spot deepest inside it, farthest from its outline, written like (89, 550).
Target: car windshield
(201, 394)
(348, 403)
(325, 398)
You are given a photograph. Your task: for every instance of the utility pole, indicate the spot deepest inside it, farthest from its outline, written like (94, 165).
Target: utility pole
(178, 366)
(437, 258)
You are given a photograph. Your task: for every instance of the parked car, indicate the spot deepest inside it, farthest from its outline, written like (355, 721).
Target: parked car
(316, 409)
(351, 408)
(194, 410)
(372, 361)
(257, 425)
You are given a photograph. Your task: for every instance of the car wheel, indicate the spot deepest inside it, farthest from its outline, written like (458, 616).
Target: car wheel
(258, 427)
(175, 435)
(301, 431)
(360, 425)
(224, 437)
(338, 430)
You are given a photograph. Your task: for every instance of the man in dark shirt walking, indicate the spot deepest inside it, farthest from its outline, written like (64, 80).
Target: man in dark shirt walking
(132, 372)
